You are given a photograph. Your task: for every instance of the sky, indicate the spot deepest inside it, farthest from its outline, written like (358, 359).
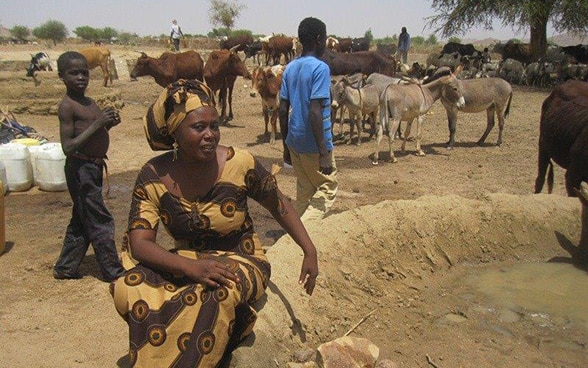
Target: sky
(150, 17)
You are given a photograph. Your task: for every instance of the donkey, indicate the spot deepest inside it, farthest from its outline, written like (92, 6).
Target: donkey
(381, 81)
(355, 80)
(409, 102)
(491, 94)
(360, 101)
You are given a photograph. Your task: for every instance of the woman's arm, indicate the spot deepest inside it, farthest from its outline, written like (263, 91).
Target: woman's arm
(208, 272)
(283, 211)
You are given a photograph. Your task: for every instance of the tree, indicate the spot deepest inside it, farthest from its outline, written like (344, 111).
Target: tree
(224, 13)
(51, 30)
(432, 40)
(21, 33)
(87, 33)
(417, 40)
(458, 16)
(108, 34)
(127, 38)
(368, 34)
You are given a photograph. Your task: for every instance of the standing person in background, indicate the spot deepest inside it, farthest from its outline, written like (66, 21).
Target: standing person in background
(84, 131)
(175, 35)
(306, 130)
(404, 45)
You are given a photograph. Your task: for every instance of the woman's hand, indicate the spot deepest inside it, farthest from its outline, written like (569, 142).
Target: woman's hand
(210, 272)
(309, 273)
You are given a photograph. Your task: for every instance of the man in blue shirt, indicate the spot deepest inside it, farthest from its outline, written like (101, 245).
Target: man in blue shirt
(306, 128)
(404, 45)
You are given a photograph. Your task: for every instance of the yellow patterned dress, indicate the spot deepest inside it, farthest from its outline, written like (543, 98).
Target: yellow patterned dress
(174, 322)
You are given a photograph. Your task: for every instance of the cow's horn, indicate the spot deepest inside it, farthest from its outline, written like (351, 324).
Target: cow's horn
(234, 47)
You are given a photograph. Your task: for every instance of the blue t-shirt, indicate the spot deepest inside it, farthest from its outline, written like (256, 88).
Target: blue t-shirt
(306, 78)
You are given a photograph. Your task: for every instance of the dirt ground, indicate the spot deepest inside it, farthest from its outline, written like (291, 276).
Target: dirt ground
(402, 240)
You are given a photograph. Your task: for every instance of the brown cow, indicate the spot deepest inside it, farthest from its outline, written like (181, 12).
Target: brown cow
(563, 136)
(170, 67)
(278, 46)
(98, 56)
(366, 62)
(220, 73)
(241, 41)
(267, 81)
(345, 44)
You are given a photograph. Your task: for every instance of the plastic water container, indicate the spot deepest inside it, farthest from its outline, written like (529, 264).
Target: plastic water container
(19, 169)
(34, 151)
(3, 178)
(50, 168)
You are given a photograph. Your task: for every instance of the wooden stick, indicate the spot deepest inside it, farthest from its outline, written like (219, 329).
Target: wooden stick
(430, 361)
(360, 322)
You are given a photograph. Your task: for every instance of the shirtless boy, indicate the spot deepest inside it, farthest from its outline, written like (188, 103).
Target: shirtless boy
(84, 138)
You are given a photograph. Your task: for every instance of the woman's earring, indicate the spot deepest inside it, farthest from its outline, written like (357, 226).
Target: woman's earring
(175, 156)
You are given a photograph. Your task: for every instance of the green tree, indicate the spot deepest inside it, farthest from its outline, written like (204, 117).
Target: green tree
(219, 32)
(458, 16)
(432, 40)
(224, 13)
(417, 40)
(368, 34)
(127, 38)
(108, 33)
(386, 40)
(87, 33)
(21, 33)
(454, 39)
(51, 30)
(239, 32)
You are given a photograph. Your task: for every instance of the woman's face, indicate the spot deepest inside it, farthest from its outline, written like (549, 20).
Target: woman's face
(198, 134)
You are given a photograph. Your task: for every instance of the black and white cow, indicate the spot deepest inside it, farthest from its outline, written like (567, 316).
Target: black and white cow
(39, 61)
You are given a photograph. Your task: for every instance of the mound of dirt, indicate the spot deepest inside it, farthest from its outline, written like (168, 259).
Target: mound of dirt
(373, 258)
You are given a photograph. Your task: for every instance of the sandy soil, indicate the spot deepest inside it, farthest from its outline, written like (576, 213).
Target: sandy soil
(401, 241)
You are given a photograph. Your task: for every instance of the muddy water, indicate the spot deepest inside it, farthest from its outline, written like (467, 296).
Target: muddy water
(547, 292)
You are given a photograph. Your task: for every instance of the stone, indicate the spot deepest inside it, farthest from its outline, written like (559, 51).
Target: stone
(348, 352)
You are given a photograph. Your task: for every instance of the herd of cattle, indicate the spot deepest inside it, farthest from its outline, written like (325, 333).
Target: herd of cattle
(374, 88)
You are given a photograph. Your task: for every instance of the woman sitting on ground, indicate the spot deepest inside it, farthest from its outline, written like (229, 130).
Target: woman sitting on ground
(190, 306)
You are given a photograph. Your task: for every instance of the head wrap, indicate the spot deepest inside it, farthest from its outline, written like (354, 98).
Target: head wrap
(171, 107)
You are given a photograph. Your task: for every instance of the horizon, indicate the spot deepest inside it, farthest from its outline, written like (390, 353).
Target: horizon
(192, 17)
